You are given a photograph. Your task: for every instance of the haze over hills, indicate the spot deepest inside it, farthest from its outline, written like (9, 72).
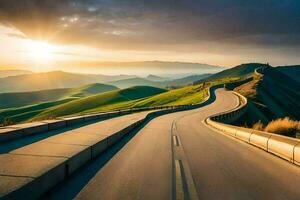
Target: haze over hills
(59, 80)
(6, 73)
(52, 80)
(160, 68)
(163, 84)
(152, 77)
(8, 100)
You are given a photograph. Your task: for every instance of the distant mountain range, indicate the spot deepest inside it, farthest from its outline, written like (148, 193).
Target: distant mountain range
(6, 73)
(162, 84)
(152, 77)
(60, 79)
(52, 80)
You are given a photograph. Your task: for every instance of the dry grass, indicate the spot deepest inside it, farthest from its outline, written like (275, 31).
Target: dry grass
(258, 126)
(283, 126)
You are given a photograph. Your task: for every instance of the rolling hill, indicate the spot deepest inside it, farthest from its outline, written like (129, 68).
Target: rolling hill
(182, 96)
(238, 71)
(152, 77)
(21, 114)
(52, 80)
(184, 81)
(8, 100)
(162, 84)
(134, 97)
(272, 95)
(125, 83)
(107, 101)
(291, 71)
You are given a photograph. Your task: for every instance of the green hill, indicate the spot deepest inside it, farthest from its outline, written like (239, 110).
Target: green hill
(272, 95)
(9, 100)
(291, 71)
(105, 101)
(156, 78)
(184, 81)
(182, 96)
(125, 83)
(239, 71)
(20, 114)
(162, 84)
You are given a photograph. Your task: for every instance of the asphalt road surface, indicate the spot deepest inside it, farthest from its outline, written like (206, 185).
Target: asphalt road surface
(176, 156)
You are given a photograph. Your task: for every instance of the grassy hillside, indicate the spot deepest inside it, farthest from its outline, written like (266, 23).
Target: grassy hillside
(107, 100)
(272, 95)
(9, 100)
(182, 96)
(238, 71)
(184, 81)
(20, 114)
(291, 71)
(134, 97)
(134, 82)
(162, 84)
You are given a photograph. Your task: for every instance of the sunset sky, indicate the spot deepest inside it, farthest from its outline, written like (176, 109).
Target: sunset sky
(43, 35)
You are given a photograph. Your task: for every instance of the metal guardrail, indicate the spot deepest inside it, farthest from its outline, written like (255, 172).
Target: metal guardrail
(282, 146)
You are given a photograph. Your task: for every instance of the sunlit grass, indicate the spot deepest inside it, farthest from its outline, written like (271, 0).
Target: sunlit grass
(283, 126)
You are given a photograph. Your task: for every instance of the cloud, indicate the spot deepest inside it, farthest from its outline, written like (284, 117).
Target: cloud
(16, 35)
(157, 24)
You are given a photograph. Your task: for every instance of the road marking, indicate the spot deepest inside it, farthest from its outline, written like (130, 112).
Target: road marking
(179, 184)
(184, 188)
(176, 140)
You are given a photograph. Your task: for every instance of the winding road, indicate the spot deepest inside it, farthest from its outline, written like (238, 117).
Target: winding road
(176, 156)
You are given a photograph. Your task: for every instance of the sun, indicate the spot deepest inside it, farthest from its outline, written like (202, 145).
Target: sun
(40, 51)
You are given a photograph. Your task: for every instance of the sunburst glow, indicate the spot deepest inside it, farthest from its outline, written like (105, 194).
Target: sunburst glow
(40, 51)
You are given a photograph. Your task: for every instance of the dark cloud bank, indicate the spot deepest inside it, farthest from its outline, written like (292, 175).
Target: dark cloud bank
(157, 24)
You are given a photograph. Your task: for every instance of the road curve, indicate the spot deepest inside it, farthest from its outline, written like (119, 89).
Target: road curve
(177, 157)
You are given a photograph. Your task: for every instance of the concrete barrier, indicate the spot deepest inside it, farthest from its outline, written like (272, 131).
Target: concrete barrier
(244, 134)
(71, 121)
(10, 133)
(282, 146)
(55, 124)
(26, 179)
(297, 154)
(260, 139)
